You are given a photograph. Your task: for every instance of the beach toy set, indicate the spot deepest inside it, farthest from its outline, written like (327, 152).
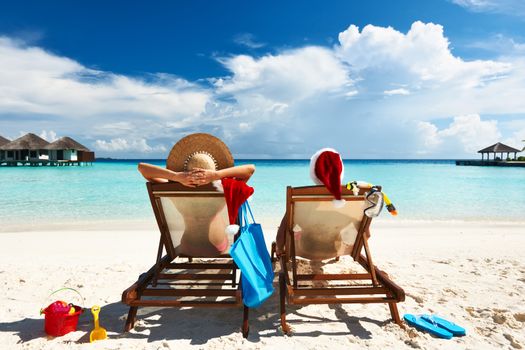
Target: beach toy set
(435, 325)
(62, 317)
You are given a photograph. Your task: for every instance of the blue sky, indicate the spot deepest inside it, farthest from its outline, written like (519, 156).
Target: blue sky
(374, 79)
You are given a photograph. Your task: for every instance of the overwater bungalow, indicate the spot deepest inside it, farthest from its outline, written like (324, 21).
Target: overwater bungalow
(28, 148)
(67, 149)
(3, 141)
(33, 150)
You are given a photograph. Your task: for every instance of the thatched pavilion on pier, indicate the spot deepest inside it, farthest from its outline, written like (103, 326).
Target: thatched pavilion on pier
(500, 161)
(498, 148)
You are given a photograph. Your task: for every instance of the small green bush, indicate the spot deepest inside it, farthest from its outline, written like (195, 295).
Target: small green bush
(521, 159)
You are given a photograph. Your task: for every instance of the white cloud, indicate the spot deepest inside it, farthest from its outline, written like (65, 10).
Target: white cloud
(39, 82)
(429, 135)
(500, 45)
(350, 94)
(516, 140)
(508, 7)
(121, 144)
(516, 135)
(248, 40)
(49, 136)
(38, 88)
(420, 58)
(469, 131)
(245, 126)
(289, 76)
(400, 91)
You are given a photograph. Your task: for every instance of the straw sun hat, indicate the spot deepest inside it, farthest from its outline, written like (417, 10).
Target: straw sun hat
(199, 151)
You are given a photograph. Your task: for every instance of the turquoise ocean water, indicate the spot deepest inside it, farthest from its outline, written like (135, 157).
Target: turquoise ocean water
(114, 190)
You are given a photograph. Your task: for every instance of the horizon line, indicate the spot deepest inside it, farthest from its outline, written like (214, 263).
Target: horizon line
(288, 159)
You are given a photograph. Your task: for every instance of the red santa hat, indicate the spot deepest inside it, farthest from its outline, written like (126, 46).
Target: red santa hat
(326, 168)
(236, 192)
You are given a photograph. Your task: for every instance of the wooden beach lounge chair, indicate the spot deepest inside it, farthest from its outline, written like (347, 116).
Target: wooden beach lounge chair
(186, 218)
(316, 230)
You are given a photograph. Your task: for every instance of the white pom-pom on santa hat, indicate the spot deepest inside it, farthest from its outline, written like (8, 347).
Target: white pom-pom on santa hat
(218, 185)
(326, 168)
(232, 229)
(338, 203)
(235, 194)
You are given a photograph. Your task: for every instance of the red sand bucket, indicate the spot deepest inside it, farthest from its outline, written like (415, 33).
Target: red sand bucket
(59, 323)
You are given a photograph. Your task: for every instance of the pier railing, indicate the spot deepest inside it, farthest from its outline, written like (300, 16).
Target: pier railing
(491, 163)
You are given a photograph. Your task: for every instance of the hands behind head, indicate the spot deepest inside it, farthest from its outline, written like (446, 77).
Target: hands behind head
(198, 177)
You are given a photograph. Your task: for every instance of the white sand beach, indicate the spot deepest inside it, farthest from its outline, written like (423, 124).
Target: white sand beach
(470, 272)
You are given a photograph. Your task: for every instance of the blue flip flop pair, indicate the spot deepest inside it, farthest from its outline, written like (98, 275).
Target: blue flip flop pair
(435, 325)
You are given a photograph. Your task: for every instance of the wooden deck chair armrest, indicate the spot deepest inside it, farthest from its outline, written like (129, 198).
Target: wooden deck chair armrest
(136, 289)
(398, 292)
(284, 251)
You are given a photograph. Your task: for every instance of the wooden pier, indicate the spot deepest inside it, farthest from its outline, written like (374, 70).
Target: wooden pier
(34, 163)
(505, 163)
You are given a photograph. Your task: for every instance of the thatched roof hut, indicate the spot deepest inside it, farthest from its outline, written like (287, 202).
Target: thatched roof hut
(3, 141)
(33, 150)
(66, 143)
(498, 148)
(29, 141)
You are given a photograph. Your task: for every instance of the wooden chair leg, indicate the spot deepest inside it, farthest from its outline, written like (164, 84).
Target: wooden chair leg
(395, 314)
(234, 276)
(130, 321)
(245, 325)
(157, 264)
(282, 298)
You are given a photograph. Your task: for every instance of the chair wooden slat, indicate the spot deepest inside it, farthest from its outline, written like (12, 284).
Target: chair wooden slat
(308, 301)
(168, 292)
(195, 276)
(324, 277)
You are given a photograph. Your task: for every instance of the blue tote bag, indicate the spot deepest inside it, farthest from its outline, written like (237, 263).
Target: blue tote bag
(251, 256)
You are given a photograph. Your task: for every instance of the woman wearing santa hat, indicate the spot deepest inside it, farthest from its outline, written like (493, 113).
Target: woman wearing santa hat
(326, 168)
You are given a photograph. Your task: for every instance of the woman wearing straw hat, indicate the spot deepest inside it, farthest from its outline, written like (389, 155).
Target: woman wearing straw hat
(196, 160)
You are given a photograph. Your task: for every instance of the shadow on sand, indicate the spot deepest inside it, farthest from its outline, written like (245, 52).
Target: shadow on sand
(199, 325)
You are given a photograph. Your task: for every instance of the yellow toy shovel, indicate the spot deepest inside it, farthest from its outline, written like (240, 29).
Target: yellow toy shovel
(98, 333)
